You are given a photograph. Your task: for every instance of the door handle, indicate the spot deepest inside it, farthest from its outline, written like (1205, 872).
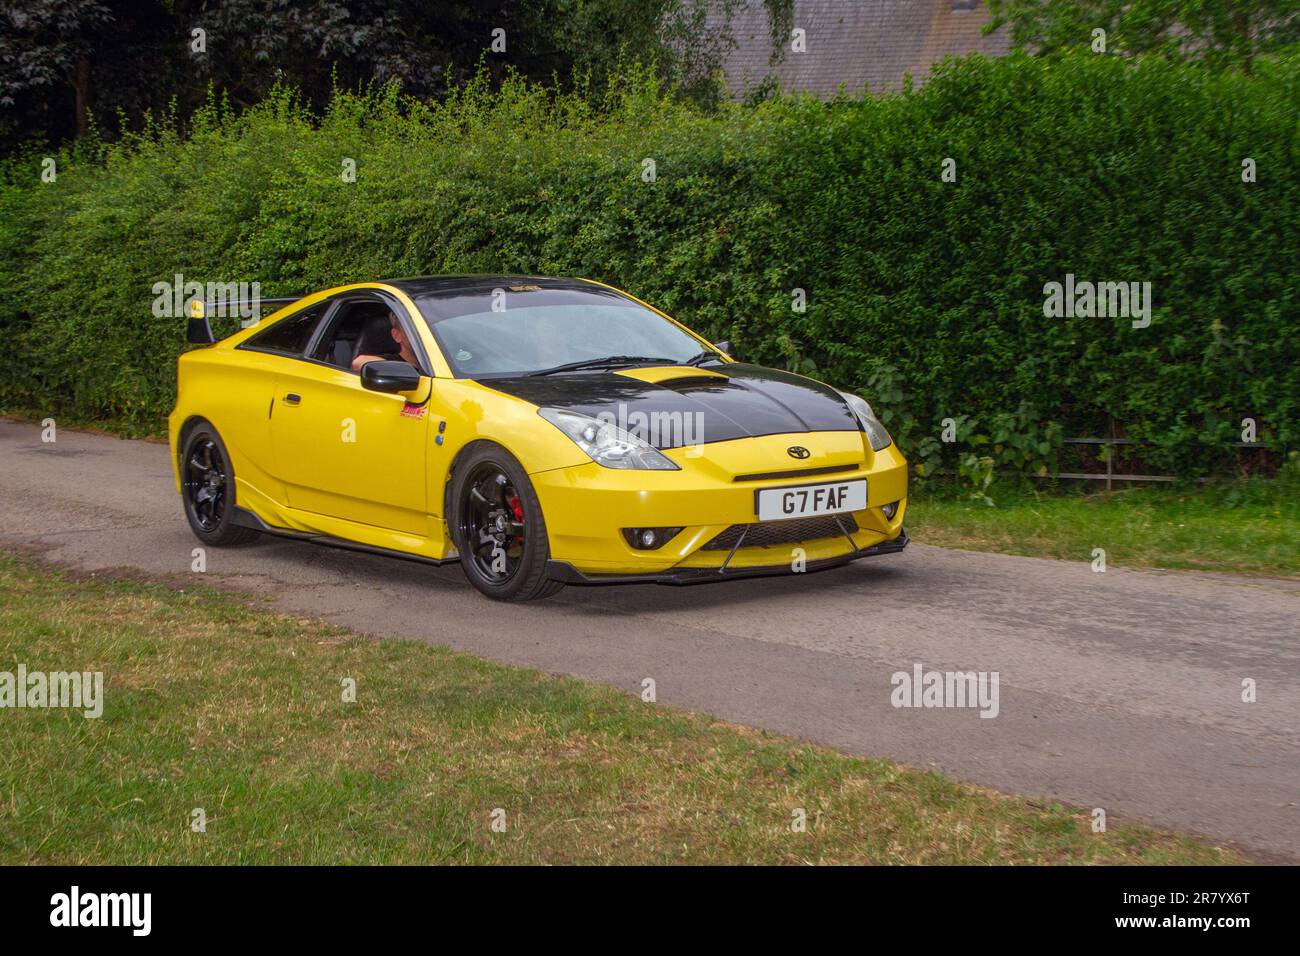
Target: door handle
(293, 398)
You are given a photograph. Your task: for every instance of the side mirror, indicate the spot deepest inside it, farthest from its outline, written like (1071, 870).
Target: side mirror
(724, 347)
(392, 377)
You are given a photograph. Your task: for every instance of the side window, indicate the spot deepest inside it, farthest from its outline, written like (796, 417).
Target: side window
(290, 335)
(358, 326)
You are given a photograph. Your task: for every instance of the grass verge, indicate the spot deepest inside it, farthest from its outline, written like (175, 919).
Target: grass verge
(211, 704)
(1242, 527)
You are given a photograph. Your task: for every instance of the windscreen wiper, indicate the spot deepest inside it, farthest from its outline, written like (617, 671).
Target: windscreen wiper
(609, 361)
(702, 357)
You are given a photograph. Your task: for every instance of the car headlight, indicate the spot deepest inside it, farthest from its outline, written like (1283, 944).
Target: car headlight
(876, 433)
(606, 443)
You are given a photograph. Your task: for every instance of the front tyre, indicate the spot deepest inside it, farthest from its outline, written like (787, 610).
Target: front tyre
(498, 528)
(208, 489)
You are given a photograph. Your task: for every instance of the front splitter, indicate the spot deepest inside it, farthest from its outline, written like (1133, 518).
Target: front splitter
(563, 571)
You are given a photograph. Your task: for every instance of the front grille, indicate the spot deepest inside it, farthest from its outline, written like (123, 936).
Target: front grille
(766, 533)
(796, 473)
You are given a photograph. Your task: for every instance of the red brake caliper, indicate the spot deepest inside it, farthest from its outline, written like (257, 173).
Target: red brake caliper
(518, 509)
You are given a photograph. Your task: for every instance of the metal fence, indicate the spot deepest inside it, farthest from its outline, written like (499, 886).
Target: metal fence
(1110, 475)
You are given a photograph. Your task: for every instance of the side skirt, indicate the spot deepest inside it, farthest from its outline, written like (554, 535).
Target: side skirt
(247, 519)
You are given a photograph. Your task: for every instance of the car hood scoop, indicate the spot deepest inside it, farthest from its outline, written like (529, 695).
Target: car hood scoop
(670, 374)
(672, 406)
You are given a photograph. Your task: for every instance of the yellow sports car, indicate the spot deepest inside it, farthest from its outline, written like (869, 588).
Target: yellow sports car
(540, 431)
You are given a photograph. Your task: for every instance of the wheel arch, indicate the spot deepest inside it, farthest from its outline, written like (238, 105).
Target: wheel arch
(183, 434)
(465, 450)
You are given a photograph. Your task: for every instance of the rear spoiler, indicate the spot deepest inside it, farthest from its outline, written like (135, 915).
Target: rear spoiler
(199, 331)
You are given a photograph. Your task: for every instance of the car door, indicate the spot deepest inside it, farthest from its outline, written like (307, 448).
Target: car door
(246, 397)
(346, 452)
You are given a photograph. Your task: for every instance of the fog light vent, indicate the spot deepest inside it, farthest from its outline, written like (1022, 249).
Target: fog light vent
(889, 510)
(649, 539)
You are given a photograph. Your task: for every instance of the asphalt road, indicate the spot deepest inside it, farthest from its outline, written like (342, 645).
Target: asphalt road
(1119, 690)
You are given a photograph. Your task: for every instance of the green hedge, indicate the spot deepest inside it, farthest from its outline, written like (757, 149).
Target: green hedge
(924, 295)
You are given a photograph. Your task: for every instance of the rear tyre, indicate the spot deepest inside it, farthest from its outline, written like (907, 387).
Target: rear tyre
(208, 489)
(498, 528)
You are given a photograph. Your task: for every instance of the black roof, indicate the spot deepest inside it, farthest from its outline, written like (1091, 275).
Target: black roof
(438, 286)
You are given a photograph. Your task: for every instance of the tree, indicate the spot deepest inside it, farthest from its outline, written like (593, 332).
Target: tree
(46, 48)
(139, 55)
(1220, 33)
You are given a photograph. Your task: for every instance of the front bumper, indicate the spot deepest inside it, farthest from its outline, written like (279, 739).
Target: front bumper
(586, 508)
(563, 571)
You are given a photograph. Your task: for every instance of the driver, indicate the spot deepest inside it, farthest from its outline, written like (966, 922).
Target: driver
(404, 352)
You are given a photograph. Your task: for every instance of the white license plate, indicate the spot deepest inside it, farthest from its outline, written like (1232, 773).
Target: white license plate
(801, 501)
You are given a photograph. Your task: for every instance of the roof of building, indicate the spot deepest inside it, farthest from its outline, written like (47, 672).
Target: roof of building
(859, 44)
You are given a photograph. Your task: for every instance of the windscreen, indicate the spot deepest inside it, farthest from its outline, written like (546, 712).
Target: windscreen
(518, 330)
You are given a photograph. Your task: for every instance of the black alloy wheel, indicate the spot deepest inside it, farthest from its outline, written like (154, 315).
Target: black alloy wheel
(492, 523)
(497, 525)
(208, 488)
